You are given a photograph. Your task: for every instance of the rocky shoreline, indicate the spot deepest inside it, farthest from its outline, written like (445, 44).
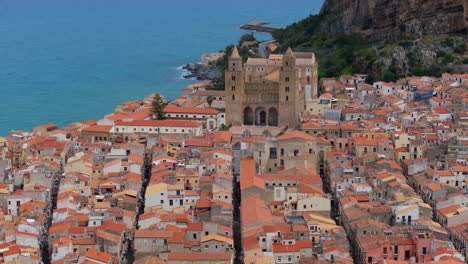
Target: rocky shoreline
(202, 72)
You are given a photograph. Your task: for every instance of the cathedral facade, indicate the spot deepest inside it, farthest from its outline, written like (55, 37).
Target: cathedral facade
(270, 92)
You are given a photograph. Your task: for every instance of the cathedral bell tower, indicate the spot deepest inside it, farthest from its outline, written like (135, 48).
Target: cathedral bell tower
(234, 89)
(288, 91)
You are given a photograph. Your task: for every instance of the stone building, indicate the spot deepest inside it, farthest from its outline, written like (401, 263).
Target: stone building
(270, 92)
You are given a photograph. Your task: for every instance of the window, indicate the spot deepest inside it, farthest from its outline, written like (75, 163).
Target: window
(233, 97)
(233, 78)
(287, 98)
(272, 153)
(424, 250)
(233, 88)
(369, 260)
(194, 236)
(286, 79)
(407, 254)
(286, 89)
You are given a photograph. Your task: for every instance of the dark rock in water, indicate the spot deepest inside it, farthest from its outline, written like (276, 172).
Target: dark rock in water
(202, 72)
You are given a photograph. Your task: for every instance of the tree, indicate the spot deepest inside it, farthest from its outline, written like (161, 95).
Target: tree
(210, 100)
(246, 37)
(157, 106)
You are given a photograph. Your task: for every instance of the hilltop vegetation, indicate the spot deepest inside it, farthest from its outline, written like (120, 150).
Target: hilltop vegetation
(350, 54)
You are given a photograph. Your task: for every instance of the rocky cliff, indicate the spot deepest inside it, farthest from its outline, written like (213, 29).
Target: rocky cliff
(391, 20)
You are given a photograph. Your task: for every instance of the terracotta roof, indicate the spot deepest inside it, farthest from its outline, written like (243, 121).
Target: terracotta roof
(449, 209)
(217, 238)
(98, 255)
(459, 168)
(222, 137)
(98, 129)
(155, 233)
(300, 244)
(195, 226)
(296, 134)
(440, 110)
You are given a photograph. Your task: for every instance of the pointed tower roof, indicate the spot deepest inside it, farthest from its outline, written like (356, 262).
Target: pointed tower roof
(235, 53)
(289, 52)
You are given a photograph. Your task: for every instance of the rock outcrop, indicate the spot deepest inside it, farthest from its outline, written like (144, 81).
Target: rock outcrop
(390, 20)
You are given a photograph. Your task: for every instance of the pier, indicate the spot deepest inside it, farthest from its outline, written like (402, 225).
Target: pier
(258, 26)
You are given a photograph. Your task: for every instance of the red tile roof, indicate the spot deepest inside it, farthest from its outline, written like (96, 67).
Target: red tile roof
(300, 244)
(296, 134)
(98, 255)
(98, 129)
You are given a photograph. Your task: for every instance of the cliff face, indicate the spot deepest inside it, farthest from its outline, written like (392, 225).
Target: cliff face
(391, 20)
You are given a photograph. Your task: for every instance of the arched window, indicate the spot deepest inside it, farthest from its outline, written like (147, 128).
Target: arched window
(260, 117)
(273, 117)
(248, 116)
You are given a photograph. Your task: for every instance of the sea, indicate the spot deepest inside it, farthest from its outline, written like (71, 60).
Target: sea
(63, 61)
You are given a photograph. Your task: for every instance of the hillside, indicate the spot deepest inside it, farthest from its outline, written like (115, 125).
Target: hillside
(392, 20)
(386, 39)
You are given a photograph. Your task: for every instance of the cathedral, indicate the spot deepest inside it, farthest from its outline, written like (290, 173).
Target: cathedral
(273, 91)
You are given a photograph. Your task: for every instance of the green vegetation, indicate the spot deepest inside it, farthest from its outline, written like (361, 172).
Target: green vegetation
(157, 106)
(247, 37)
(351, 54)
(209, 100)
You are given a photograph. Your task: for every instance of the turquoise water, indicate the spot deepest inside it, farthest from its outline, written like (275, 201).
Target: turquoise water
(69, 60)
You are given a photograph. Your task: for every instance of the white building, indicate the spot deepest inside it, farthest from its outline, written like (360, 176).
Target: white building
(157, 127)
(211, 118)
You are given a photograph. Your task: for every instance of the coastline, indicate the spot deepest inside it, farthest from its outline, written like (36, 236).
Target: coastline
(200, 71)
(197, 72)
